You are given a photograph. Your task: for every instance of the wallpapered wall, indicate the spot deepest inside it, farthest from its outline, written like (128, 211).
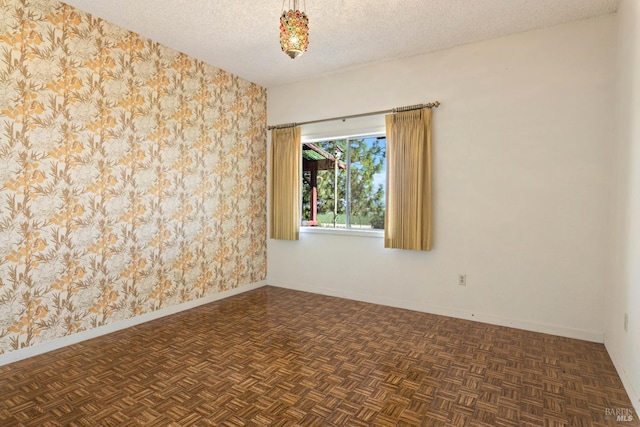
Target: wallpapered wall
(132, 177)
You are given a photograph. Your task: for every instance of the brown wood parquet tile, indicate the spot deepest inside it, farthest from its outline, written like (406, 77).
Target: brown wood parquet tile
(275, 357)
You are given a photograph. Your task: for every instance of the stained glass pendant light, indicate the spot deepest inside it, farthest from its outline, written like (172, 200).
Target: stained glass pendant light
(294, 30)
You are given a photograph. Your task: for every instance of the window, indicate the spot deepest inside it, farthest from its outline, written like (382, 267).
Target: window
(343, 183)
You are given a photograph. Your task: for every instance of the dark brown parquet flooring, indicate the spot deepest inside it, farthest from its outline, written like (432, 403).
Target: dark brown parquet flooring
(276, 357)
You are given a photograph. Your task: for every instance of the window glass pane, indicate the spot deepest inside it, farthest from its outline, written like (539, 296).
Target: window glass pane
(343, 183)
(320, 174)
(367, 182)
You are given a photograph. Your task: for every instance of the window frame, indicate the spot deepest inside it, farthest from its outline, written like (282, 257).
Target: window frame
(347, 231)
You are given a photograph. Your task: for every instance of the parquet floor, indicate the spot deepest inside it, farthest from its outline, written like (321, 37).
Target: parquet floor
(275, 357)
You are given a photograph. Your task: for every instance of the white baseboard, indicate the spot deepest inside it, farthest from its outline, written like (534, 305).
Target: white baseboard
(14, 356)
(634, 396)
(593, 336)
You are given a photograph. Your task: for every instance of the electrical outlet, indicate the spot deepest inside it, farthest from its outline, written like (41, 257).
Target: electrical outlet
(626, 322)
(462, 279)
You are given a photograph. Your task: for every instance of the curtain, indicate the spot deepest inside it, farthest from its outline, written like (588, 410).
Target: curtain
(408, 209)
(286, 154)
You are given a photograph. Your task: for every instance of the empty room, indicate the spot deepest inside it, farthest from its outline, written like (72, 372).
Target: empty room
(320, 213)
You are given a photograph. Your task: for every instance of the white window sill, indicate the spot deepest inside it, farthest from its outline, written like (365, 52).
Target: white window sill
(343, 232)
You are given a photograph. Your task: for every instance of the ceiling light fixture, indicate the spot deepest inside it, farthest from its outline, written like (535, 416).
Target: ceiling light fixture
(294, 30)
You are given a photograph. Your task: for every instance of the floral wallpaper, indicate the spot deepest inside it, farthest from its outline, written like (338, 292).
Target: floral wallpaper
(132, 177)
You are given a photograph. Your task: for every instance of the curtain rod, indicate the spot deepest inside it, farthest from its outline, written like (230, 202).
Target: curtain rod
(435, 104)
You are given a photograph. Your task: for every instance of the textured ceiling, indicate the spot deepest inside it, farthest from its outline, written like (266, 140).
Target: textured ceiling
(241, 36)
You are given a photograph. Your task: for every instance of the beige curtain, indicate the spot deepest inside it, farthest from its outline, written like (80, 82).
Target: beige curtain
(408, 213)
(286, 154)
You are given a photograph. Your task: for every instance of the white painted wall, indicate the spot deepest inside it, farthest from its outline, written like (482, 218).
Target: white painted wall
(623, 293)
(522, 177)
